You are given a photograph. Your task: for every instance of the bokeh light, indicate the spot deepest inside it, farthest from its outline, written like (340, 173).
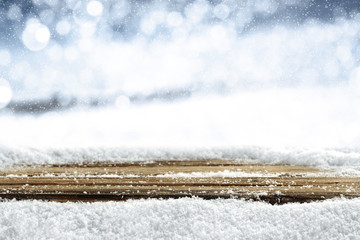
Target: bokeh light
(200, 46)
(63, 27)
(119, 11)
(14, 13)
(121, 53)
(94, 8)
(221, 11)
(174, 19)
(36, 35)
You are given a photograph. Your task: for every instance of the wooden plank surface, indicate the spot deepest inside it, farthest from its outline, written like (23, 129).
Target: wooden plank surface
(207, 179)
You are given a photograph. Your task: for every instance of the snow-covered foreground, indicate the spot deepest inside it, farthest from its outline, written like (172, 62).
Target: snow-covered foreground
(346, 161)
(298, 127)
(180, 219)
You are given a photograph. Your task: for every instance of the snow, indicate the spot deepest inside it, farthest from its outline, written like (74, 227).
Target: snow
(219, 174)
(180, 219)
(303, 117)
(265, 93)
(301, 127)
(304, 126)
(345, 160)
(240, 174)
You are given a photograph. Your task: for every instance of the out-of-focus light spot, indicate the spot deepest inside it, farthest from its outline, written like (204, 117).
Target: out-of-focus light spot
(94, 8)
(197, 11)
(63, 27)
(71, 3)
(174, 19)
(243, 17)
(5, 93)
(148, 26)
(85, 12)
(339, 12)
(37, 2)
(221, 38)
(266, 7)
(36, 35)
(149, 23)
(291, 2)
(14, 13)
(122, 102)
(51, 2)
(47, 16)
(5, 57)
(42, 34)
(118, 11)
(157, 16)
(221, 11)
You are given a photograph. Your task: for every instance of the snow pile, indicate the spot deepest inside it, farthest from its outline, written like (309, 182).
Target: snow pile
(335, 158)
(180, 219)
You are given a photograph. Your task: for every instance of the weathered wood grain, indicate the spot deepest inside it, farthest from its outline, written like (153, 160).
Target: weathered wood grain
(174, 179)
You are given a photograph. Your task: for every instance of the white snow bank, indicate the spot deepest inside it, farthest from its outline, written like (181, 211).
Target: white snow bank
(180, 219)
(319, 117)
(346, 158)
(303, 126)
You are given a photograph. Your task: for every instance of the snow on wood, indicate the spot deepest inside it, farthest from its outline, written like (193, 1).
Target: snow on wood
(208, 179)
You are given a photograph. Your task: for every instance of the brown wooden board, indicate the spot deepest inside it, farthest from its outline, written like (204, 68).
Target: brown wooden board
(208, 179)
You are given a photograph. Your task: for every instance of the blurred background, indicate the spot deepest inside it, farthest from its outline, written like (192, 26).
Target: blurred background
(209, 73)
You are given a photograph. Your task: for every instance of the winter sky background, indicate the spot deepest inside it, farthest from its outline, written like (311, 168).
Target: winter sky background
(264, 73)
